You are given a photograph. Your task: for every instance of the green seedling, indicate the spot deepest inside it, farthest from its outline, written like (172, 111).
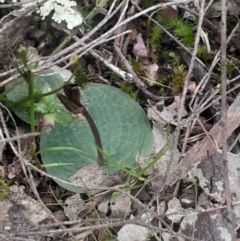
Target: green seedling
(81, 78)
(137, 66)
(203, 53)
(155, 36)
(4, 190)
(216, 78)
(230, 67)
(147, 3)
(128, 89)
(179, 74)
(175, 59)
(72, 103)
(183, 30)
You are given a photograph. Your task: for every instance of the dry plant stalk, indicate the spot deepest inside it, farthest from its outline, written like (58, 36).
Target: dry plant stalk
(224, 120)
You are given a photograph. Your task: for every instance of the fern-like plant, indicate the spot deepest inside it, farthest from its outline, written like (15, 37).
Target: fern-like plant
(182, 29)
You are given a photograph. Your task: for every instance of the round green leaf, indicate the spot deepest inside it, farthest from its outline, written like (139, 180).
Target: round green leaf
(44, 82)
(123, 126)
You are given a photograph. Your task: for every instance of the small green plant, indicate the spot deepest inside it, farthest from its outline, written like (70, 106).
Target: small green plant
(114, 77)
(182, 29)
(203, 53)
(128, 89)
(4, 190)
(32, 96)
(137, 66)
(161, 18)
(176, 58)
(147, 3)
(162, 92)
(155, 36)
(216, 78)
(230, 68)
(179, 74)
(81, 78)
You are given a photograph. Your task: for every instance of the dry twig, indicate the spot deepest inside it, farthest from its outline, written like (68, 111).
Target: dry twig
(223, 121)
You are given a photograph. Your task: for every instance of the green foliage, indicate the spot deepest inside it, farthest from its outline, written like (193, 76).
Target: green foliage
(203, 53)
(182, 29)
(128, 89)
(159, 81)
(136, 65)
(147, 3)
(230, 67)
(115, 76)
(46, 105)
(124, 129)
(154, 57)
(161, 18)
(179, 74)
(216, 78)
(4, 190)
(81, 78)
(162, 92)
(176, 59)
(155, 36)
(43, 101)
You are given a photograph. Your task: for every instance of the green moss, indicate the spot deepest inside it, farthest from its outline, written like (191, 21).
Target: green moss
(137, 66)
(155, 36)
(182, 29)
(179, 74)
(114, 76)
(161, 18)
(230, 68)
(162, 92)
(216, 78)
(81, 78)
(147, 3)
(154, 57)
(176, 59)
(159, 81)
(4, 190)
(203, 53)
(128, 89)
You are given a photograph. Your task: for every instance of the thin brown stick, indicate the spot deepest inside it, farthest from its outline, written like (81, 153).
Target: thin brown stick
(96, 134)
(187, 79)
(15, 138)
(23, 163)
(223, 121)
(72, 103)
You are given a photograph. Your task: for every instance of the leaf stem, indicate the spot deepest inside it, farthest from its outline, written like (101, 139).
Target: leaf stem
(72, 103)
(96, 134)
